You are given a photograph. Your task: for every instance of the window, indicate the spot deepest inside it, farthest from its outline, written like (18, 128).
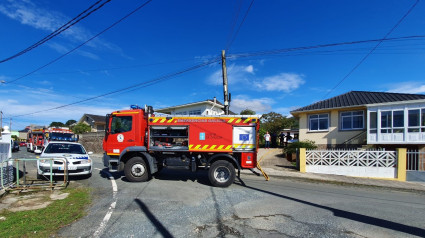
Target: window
(413, 120)
(373, 122)
(181, 113)
(319, 122)
(121, 124)
(416, 120)
(386, 121)
(352, 120)
(195, 112)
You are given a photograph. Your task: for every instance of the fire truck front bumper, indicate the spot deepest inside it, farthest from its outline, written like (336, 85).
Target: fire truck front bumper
(112, 163)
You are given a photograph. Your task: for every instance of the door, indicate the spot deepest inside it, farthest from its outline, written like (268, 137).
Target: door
(121, 134)
(244, 138)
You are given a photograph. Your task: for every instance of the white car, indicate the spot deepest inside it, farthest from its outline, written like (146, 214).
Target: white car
(56, 153)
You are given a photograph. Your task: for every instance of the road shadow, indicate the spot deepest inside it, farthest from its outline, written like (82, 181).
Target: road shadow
(200, 176)
(161, 228)
(351, 215)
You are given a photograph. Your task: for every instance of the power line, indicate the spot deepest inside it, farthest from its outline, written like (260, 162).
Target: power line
(129, 88)
(372, 50)
(61, 29)
(240, 25)
(235, 20)
(85, 42)
(285, 50)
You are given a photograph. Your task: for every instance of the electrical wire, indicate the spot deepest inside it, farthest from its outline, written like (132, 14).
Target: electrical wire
(235, 20)
(129, 88)
(372, 50)
(61, 29)
(240, 26)
(82, 44)
(285, 50)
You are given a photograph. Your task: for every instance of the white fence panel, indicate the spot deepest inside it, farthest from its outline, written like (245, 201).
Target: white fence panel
(359, 163)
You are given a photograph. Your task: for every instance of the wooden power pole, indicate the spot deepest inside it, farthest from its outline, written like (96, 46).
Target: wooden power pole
(225, 89)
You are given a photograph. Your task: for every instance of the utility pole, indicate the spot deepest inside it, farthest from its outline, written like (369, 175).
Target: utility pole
(1, 122)
(225, 90)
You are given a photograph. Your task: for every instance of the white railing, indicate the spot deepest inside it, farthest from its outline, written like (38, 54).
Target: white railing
(415, 160)
(362, 163)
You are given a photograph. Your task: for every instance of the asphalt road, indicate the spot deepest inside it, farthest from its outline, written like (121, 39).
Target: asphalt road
(183, 204)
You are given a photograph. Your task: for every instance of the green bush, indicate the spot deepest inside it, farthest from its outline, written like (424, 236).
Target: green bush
(292, 147)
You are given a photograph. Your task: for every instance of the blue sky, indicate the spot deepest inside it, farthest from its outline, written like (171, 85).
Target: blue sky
(166, 37)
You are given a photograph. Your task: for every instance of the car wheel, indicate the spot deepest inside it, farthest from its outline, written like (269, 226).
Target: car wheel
(222, 173)
(135, 170)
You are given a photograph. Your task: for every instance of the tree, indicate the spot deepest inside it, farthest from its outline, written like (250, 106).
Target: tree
(56, 124)
(70, 122)
(247, 112)
(81, 128)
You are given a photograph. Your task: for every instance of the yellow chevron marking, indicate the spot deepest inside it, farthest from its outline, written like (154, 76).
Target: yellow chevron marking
(239, 120)
(212, 147)
(197, 147)
(205, 147)
(169, 121)
(163, 120)
(155, 120)
(228, 147)
(247, 120)
(190, 146)
(231, 120)
(220, 147)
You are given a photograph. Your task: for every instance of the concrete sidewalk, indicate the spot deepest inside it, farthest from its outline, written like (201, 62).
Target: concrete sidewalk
(275, 164)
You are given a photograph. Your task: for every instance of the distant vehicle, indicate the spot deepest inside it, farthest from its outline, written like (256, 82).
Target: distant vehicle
(38, 138)
(15, 146)
(22, 143)
(77, 158)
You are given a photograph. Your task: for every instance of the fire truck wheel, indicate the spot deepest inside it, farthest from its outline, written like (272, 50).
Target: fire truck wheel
(135, 170)
(222, 173)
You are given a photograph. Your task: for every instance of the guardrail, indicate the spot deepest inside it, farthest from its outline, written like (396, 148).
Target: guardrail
(22, 182)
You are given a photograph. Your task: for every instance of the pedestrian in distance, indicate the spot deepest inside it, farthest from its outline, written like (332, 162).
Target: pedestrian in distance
(267, 138)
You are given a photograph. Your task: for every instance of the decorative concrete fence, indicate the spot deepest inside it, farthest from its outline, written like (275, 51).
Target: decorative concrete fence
(357, 163)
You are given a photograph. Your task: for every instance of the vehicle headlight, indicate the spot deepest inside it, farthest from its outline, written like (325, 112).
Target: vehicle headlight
(86, 161)
(43, 161)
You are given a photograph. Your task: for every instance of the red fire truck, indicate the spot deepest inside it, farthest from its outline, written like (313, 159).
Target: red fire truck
(141, 144)
(37, 138)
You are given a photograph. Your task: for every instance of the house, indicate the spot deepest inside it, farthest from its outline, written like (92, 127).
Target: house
(207, 107)
(360, 118)
(96, 122)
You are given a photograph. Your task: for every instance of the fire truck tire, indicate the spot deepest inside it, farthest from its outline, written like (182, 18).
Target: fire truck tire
(135, 170)
(222, 173)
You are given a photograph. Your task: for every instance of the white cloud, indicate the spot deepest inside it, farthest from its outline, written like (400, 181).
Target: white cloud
(235, 74)
(408, 87)
(259, 105)
(285, 82)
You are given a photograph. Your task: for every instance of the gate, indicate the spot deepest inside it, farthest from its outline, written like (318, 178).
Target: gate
(415, 166)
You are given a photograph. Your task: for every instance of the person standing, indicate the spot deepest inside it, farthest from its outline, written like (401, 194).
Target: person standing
(267, 139)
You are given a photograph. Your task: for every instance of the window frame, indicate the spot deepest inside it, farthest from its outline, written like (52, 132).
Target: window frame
(351, 116)
(318, 122)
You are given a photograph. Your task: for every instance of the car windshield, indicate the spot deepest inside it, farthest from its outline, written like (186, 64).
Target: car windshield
(64, 148)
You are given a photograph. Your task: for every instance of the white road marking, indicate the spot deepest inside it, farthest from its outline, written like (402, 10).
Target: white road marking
(108, 215)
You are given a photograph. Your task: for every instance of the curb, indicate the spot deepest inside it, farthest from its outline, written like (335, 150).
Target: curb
(336, 182)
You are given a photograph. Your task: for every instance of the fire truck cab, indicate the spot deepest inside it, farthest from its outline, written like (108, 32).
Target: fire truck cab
(141, 144)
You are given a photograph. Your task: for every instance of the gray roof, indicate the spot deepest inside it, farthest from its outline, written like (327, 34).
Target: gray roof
(96, 118)
(359, 98)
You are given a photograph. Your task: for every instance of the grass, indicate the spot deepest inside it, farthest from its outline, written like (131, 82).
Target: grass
(47, 221)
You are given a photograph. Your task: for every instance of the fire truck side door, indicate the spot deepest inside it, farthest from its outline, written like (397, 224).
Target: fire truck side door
(122, 133)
